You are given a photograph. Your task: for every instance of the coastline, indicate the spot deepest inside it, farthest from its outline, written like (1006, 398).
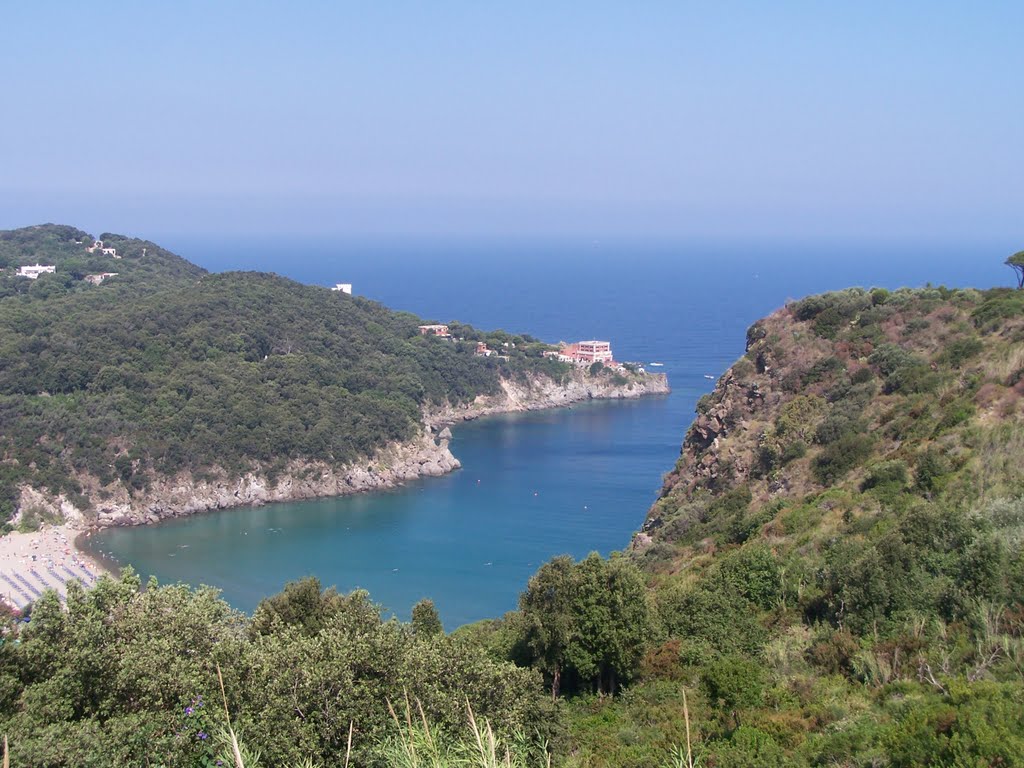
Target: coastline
(425, 455)
(101, 564)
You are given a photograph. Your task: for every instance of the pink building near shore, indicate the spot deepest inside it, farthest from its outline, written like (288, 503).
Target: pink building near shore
(594, 351)
(587, 353)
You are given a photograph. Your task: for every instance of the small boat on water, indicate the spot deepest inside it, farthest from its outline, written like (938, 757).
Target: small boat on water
(709, 376)
(656, 365)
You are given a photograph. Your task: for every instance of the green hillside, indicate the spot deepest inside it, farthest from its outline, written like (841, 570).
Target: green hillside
(835, 561)
(165, 368)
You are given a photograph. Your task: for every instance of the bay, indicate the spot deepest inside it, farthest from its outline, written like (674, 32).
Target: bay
(532, 485)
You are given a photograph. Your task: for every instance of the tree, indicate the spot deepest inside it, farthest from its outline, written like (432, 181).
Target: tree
(425, 620)
(303, 604)
(1016, 263)
(612, 621)
(124, 676)
(590, 618)
(547, 609)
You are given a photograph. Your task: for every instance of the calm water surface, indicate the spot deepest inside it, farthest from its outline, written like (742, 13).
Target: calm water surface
(533, 485)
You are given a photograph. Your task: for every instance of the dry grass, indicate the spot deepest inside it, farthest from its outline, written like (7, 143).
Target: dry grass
(689, 743)
(1003, 363)
(995, 468)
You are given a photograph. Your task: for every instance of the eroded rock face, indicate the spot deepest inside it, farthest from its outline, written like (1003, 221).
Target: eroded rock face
(641, 541)
(185, 494)
(701, 458)
(541, 392)
(51, 506)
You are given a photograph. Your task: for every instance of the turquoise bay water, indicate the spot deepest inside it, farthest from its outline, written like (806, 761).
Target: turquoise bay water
(463, 539)
(532, 485)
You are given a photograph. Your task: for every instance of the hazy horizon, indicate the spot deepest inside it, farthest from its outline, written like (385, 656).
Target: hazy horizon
(677, 122)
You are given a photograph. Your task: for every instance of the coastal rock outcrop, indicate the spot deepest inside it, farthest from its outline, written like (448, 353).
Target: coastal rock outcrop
(537, 393)
(50, 507)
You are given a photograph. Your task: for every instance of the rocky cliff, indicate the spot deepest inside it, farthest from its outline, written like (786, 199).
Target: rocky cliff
(426, 456)
(846, 393)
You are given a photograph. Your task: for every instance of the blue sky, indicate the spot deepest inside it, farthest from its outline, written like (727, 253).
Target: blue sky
(790, 120)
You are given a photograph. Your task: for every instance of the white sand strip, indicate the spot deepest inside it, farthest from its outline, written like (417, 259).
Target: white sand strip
(45, 559)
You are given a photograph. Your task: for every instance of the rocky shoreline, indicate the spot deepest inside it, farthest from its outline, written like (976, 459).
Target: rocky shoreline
(185, 494)
(427, 455)
(540, 394)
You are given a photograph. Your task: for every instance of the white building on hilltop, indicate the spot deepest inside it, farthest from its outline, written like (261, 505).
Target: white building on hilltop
(35, 270)
(343, 288)
(98, 246)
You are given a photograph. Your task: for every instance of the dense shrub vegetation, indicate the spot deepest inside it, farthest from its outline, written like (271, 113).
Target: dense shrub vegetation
(123, 676)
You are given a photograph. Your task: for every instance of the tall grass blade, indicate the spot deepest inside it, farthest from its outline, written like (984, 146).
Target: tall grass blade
(686, 717)
(476, 730)
(426, 726)
(227, 715)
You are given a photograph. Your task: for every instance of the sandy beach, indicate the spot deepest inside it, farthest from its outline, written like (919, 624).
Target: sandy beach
(45, 559)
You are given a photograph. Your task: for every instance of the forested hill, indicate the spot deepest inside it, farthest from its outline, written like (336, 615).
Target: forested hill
(165, 368)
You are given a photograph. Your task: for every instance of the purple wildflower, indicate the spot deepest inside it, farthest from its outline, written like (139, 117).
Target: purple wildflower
(189, 710)
(202, 736)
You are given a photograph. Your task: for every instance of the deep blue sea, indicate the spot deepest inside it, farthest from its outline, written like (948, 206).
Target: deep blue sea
(535, 485)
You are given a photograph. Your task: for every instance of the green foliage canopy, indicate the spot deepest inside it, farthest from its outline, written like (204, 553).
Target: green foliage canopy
(589, 620)
(1016, 263)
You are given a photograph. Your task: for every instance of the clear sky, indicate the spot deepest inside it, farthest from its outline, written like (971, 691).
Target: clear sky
(805, 120)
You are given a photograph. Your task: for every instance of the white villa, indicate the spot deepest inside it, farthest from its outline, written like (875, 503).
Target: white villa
(35, 270)
(98, 246)
(343, 288)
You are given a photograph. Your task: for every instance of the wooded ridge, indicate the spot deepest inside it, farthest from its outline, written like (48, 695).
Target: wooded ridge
(166, 371)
